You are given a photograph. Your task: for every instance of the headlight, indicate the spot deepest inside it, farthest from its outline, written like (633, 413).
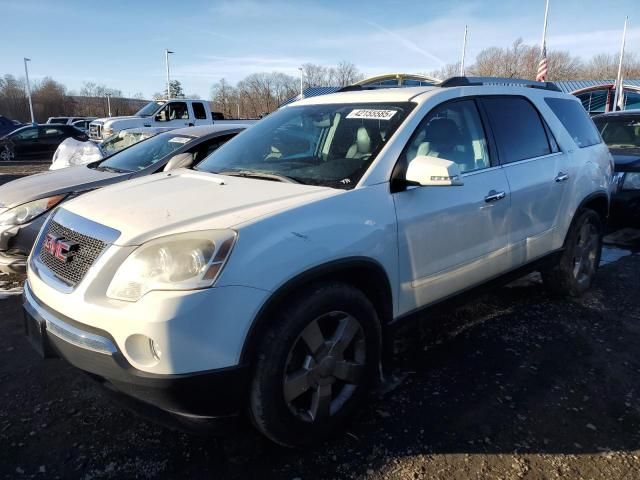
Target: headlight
(107, 132)
(25, 213)
(185, 261)
(631, 181)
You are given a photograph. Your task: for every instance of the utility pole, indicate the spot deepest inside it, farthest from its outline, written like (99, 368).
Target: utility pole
(464, 51)
(301, 83)
(166, 59)
(26, 73)
(109, 102)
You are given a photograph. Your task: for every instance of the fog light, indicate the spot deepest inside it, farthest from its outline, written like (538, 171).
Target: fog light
(155, 349)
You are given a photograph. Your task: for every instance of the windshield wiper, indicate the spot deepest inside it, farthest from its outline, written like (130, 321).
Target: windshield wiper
(255, 174)
(101, 168)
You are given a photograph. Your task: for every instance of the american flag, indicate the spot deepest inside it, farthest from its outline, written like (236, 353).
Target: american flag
(542, 66)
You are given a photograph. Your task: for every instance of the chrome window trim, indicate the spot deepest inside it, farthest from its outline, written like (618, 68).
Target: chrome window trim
(532, 159)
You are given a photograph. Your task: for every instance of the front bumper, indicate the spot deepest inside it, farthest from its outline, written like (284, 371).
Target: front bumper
(13, 263)
(190, 400)
(16, 242)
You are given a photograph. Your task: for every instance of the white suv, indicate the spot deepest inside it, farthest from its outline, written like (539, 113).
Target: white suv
(266, 282)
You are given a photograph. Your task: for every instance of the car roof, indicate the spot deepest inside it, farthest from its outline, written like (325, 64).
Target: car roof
(621, 113)
(203, 130)
(374, 95)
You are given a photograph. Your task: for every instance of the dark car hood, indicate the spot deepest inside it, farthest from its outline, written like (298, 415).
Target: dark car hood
(626, 159)
(55, 182)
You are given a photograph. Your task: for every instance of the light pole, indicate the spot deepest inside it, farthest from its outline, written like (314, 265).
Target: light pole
(26, 73)
(166, 59)
(464, 51)
(301, 83)
(109, 102)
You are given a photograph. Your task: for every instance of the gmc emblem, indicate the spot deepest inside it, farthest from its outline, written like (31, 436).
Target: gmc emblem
(60, 248)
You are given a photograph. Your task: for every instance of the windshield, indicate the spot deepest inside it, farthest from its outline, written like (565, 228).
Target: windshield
(145, 153)
(328, 145)
(149, 109)
(122, 140)
(619, 132)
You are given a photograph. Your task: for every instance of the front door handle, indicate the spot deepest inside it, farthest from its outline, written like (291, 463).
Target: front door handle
(562, 177)
(494, 196)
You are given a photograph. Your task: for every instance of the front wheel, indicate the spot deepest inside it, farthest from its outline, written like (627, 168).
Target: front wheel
(577, 267)
(6, 153)
(315, 365)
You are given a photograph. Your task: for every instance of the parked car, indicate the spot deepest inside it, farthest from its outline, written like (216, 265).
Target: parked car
(82, 125)
(67, 120)
(621, 133)
(25, 202)
(267, 280)
(174, 113)
(7, 126)
(71, 152)
(36, 142)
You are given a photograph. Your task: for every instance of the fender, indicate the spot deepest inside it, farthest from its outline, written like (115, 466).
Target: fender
(363, 272)
(599, 196)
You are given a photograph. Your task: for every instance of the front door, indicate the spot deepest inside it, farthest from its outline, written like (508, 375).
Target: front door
(174, 114)
(451, 238)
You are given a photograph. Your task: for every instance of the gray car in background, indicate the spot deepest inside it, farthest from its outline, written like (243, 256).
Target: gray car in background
(25, 202)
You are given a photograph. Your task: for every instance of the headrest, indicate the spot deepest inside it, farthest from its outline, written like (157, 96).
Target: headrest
(363, 140)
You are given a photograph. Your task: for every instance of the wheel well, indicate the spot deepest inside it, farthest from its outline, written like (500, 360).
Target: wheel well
(599, 204)
(366, 275)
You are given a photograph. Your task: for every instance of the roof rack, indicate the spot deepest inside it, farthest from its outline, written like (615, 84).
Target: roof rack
(514, 82)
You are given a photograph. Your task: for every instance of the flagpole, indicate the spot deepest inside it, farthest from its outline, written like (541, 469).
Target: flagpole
(619, 78)
(464, 51)
(544, 29)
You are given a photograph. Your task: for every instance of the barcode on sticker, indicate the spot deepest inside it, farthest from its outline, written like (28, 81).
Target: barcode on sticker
(371, 114)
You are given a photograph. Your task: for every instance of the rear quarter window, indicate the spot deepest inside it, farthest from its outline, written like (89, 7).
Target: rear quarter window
(575, 120)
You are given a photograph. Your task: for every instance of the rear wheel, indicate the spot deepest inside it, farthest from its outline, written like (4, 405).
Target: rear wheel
(315, 365)
(578, 265)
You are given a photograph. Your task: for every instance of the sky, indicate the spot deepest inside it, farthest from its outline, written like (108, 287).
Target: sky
(121, 43)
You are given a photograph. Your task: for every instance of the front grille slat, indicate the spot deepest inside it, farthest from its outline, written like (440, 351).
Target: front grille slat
(73, 271)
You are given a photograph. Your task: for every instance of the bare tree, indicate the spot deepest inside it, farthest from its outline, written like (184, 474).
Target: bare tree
(316, 75)
(605, 66)
(345, 73)
(13, 98)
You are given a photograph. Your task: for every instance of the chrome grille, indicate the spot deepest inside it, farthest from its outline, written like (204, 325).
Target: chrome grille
(74, 270)
(95, 131)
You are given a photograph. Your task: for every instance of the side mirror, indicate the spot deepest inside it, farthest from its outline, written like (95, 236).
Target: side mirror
(181, 160)
(429, 171)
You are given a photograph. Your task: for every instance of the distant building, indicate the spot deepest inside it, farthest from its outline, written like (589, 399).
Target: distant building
(597, 96)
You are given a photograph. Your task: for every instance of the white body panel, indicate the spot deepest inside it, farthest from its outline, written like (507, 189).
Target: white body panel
(430, 242)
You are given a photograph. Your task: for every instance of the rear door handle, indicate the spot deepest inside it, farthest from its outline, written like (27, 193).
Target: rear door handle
(562, 177)
(494, 196)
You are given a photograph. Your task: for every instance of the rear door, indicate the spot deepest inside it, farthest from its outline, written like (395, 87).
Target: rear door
(199, 116)
(537, 172)
(451, 238)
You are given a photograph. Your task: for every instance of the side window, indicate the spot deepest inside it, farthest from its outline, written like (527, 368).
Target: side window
(29, 134)
(517, 127)
(207, 148)
(575, 120)
(173, 111)
(198, 111)
(48, 132)
(454, 132)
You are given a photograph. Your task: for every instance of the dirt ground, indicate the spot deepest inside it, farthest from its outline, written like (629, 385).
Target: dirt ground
(514, 385)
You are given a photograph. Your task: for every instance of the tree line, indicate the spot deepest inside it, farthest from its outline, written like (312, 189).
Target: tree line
(263, 92)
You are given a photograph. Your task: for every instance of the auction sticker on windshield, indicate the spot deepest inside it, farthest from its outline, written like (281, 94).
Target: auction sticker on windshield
(179, 139)
(371, 114)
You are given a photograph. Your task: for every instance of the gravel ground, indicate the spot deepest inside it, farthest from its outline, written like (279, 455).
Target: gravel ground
(514, 385)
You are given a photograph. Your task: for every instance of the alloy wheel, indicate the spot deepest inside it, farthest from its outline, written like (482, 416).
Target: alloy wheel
(325, 366)
(585, 253)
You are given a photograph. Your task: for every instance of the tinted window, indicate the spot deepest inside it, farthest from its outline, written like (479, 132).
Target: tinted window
(517, 128)
(575, 120)
(454, 132)
(631, 100)
(199, 112)
(51, 132)
(28, 134)
(619, 132)
(62, 120)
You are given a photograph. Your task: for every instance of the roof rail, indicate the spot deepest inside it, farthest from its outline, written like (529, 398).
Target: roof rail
(357, 88)
(514, 82)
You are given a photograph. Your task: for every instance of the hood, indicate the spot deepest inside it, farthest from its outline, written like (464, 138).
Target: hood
(112, 119)
(54, 182)
(626, 159)
(186, 200)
